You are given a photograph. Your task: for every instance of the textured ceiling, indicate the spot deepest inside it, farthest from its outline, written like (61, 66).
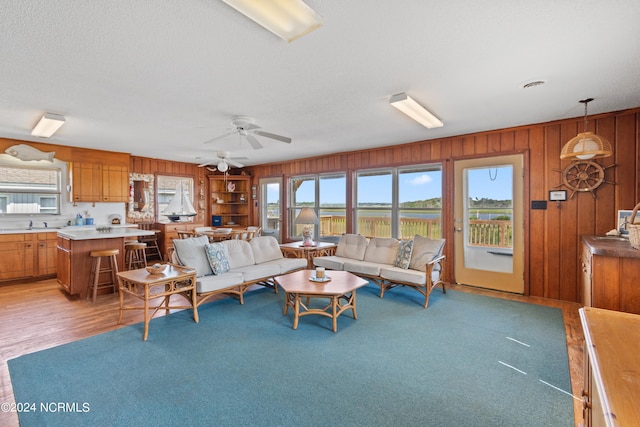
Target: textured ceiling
(158, 78)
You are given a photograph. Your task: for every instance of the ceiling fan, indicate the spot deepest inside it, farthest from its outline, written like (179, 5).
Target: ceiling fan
(223, 162)
(244, 126)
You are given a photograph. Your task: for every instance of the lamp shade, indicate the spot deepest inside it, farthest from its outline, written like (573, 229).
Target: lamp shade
(586, 145)
(306, 216)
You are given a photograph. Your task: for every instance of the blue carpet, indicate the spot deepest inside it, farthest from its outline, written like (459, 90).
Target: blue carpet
(467, 360)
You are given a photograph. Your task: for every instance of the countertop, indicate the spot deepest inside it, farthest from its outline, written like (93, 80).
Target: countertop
(610, 246)
(89, 234)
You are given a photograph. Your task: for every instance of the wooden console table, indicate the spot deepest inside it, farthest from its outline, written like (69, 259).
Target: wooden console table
(147, 287)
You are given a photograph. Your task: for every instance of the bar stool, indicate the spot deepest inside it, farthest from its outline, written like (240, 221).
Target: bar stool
(153, 249)
(97, 268)
(135, 255)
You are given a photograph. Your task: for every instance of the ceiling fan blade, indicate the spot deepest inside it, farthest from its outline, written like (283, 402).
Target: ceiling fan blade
(219, 137)
(253, 142)
(234, 164)
(209, 163)
(273, 136)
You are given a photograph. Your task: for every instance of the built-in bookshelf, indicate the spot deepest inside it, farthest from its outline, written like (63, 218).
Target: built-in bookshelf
(230, 199)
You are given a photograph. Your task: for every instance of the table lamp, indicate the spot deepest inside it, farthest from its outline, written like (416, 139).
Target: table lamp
(308, 217)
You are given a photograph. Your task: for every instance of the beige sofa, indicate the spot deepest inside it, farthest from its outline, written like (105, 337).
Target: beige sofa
(233, 266)
(417, 263)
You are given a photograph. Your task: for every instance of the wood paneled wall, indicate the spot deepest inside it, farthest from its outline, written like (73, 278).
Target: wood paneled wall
(552, 235)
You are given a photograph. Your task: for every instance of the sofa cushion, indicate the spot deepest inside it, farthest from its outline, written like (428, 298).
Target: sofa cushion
(265, 248)
(255, 272)
(424, 250)
(352, 246)
(217, 257)
(239, 253)
(212, 283)
(363, 267)
(382, 250)
(330, 262)
(403, 255)
(190, 252)
(287, 265)
(397, 274)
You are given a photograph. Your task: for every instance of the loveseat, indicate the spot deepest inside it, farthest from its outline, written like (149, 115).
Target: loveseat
(417, 263)
(233, 266)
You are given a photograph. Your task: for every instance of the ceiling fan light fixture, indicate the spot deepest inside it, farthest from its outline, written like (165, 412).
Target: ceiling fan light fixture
(288, 19)
(586, 145)
(413, 109)
(48, 125)
(223, 166)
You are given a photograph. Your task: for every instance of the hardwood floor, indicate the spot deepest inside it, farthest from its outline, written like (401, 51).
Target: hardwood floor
(39, 315)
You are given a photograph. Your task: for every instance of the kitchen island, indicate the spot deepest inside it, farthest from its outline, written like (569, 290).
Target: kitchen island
(73, 253)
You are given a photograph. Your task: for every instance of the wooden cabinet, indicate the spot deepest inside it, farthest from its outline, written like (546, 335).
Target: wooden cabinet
(92, 182)
(16, 256)
(230, 199)
(169, 231)
(610, 275)
(46, 254)
(63, 263)
(611, 394)
(27, 255)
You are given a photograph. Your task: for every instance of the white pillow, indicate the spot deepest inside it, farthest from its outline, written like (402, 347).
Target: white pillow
(191, 253)
(424, 250)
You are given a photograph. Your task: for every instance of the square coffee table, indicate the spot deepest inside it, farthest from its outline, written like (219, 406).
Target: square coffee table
(340, 290)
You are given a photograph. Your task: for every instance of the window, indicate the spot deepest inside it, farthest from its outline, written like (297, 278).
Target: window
(29, 190)
(327, 195)
(399, 202)
(374, 203)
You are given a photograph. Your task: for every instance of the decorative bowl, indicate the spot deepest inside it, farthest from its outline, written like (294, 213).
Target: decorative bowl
(156, 268)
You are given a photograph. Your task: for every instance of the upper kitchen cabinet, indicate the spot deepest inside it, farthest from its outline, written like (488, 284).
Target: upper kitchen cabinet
(91, 182)
(99, 176)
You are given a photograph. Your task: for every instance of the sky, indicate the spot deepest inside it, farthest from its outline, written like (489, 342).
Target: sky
(493, 183)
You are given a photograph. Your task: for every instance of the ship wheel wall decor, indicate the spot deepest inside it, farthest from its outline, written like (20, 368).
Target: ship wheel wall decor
(583, 176)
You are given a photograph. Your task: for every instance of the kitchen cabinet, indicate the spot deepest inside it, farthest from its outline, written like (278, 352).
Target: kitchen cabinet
(610, 274)
(46, 254)
(27, 255)
(16, 256)
(169, 231)
(92, 182)
(230, 199)
(611, 392)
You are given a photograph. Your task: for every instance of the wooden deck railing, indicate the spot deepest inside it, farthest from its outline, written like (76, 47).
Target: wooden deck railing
(493, 233)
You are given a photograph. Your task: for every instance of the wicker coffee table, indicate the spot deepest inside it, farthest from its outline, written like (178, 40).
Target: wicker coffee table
(340, 290)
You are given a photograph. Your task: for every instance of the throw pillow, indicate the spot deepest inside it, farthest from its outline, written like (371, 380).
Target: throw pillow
(217, 258)
(403, 257)
(190, 252)
(424, 250)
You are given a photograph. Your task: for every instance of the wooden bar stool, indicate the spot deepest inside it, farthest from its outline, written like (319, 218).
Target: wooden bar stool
(97, 268)
(153, 249)
(135, 255)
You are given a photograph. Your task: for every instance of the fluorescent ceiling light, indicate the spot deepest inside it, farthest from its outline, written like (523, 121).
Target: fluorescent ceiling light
(417, 112)
(288, 19)
(48, 125)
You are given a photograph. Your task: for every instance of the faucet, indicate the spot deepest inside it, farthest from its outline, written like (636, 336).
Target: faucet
(30, 224)
(45, 224)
